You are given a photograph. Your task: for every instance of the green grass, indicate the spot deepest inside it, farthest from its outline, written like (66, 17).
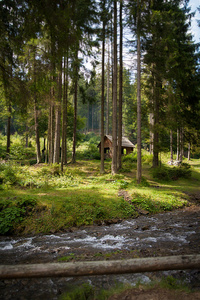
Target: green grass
(82, 196)
(86, 291)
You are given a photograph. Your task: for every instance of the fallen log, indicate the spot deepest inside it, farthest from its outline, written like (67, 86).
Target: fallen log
(86, 268)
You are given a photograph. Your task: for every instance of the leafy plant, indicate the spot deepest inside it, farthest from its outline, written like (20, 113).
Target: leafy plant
(84, 292)
(165, 173)
(8, 174)
(13, 211)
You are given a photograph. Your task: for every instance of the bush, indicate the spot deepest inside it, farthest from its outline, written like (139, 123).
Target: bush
(166, 173)
(91, 151)
(132, 157)
(8, 174)
(19, 152)
(13, 211)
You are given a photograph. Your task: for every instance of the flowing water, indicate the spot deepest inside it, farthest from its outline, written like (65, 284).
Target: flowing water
(172, 233)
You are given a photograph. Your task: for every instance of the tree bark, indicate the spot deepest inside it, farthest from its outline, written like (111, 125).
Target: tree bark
(189, 151)
(51, 130)
(56, 157)
(51, 120)
(139, 155)
(119, 152)
(181, 144)
(88, 268)
(64, 115)
(108, 91)
(75, 108)
(102, 93)
(114, 113)
(37, 136)
(178, 144)
(156, 113)
(151, 134)
(8, 128)
(171, 145)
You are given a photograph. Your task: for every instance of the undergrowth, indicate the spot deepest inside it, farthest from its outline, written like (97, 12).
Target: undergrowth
(87, 292)
(80, 195)
(165, 173)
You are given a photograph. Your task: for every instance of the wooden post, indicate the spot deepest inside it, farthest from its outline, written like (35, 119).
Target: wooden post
(85, 268)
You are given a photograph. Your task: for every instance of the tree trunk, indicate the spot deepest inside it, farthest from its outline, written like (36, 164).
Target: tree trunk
(102, 93)
(114, 114)
(26, 136)
(108, 90)
(181, 144)
(189, 151)
(119, 153)
(139, 156)
(156, 123)
(88, 268)
(8, 128)
(51, 130)
(178, 144)
(75, 108)
(64, 118)
(151, 121)
(56, 157)
(52, 100)
(37, 136)
(171, 145)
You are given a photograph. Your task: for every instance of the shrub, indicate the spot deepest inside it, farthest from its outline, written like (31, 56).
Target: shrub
(132, 157)
(13, 211)
(19, 152)
(9, 174)
(90, 152)
(166, 173)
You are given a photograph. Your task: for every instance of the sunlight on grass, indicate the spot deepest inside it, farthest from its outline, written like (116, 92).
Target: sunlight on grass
(82, 196)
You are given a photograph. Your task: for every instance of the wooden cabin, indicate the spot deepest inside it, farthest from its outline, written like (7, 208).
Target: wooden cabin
(127, 146)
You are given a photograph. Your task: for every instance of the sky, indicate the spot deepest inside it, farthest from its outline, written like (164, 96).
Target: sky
(194, 27)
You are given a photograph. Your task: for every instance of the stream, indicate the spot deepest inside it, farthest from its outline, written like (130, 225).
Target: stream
(171, 233)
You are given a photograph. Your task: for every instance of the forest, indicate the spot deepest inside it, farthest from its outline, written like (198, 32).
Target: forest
(124, 68)
(71, 73)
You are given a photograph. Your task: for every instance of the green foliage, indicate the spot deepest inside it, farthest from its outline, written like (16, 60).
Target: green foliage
(19, 152)
(89, 149)
(80, 195)
(70, 257)
(165, 173)
(13, 211)
(84, 292)
(132, 157)
(8, 217)
(2, 146)
(172, 283)
(155, 204)
(8, 174)
(144, 182)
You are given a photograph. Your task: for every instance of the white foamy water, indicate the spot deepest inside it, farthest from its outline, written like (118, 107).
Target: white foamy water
(8, 246)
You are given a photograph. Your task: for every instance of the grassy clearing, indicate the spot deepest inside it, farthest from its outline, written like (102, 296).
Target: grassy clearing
(82, 196)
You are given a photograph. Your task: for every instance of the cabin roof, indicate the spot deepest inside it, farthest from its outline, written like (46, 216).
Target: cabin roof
(125, 142)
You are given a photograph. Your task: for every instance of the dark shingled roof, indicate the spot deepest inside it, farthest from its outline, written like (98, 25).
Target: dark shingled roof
(125, 142)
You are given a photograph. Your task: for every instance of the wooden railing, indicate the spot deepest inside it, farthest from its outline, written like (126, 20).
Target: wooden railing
(85, 268)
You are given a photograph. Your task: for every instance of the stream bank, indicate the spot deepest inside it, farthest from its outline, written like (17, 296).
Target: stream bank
(171, 233)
